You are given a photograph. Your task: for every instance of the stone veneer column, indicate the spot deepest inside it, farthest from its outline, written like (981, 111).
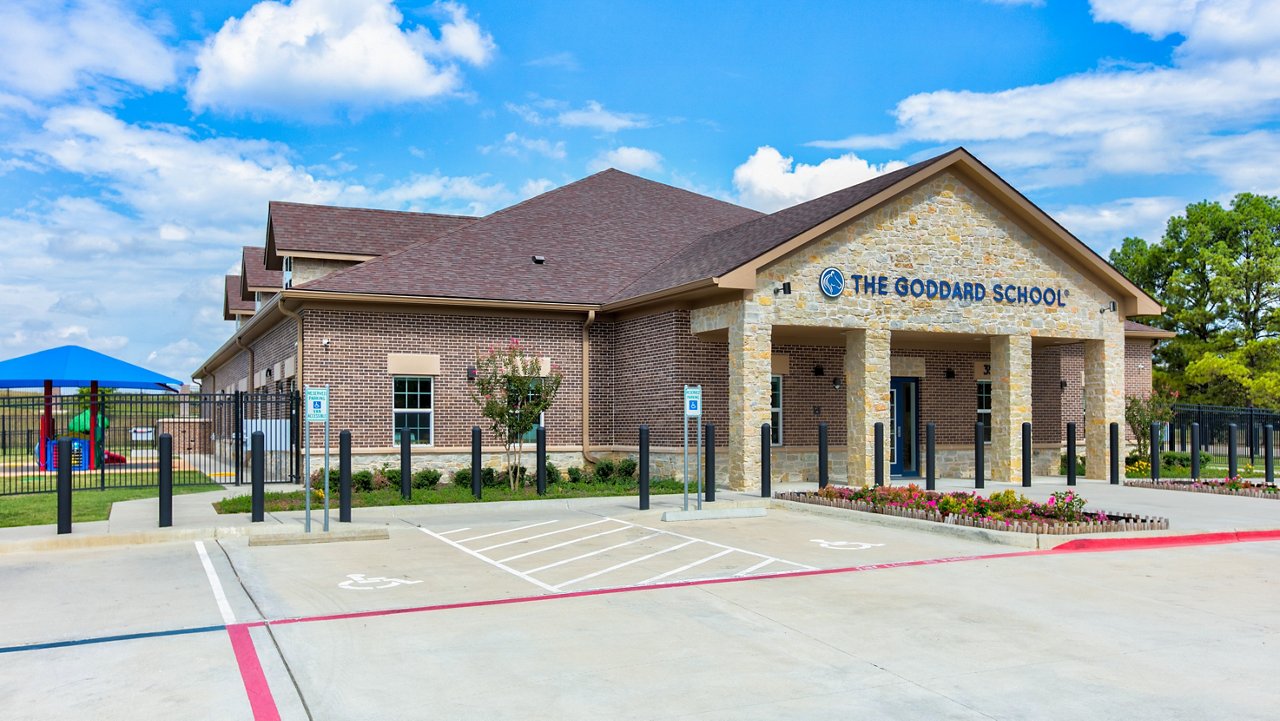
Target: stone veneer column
(750, 365)
(866, 376)
(1103, 400)
(1010, 404)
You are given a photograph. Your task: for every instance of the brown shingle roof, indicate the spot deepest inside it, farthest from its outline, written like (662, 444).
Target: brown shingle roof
(304, 228)
(598, 235)
(232, 303)
(720, 252)
(254, 273)
(1134, 328)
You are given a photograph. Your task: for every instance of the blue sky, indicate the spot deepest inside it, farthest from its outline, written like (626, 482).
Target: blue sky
(140, 141)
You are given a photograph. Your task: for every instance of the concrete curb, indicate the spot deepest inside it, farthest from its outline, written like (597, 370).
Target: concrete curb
(295, 538)
(710, 514)
(176, 535)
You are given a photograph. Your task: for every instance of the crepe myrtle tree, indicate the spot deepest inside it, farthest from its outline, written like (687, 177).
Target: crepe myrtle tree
(512, 393)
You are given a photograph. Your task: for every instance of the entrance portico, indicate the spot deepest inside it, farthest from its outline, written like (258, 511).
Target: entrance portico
(956, 255)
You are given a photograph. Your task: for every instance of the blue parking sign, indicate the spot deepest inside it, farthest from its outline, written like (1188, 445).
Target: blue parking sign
(693, 401)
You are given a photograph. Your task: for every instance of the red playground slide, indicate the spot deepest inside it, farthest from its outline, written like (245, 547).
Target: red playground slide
(113, 457)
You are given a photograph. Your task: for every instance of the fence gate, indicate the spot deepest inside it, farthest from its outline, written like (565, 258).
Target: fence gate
(211, 435)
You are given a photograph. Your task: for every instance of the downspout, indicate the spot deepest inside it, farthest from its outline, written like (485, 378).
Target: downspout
(297, 370)
(586, 388)
(240, 344)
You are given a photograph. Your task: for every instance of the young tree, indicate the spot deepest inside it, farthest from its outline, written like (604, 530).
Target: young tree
(512, 394)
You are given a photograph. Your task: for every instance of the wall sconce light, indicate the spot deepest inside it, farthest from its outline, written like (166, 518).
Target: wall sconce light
(784, 289)
(949, 373)
(1108, 307)
(325, 344)
(818, 370)
(269, 372)
(539, 259)
(471, 374)
(1062, 384)
(837, 383)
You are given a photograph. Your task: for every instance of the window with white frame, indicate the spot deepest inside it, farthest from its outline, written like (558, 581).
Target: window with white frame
(412, 405)
(984, 409)
(775, 410)
(287, 274)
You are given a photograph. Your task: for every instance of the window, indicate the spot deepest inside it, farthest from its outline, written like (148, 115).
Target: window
(412, 401)
(984, 409)
(287, 274)
(775, 410)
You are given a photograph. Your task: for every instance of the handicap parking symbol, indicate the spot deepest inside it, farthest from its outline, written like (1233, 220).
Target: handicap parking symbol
(844, 545)
(361, 582)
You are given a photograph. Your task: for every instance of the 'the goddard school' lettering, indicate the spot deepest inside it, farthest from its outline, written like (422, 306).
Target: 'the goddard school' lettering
(955, 290)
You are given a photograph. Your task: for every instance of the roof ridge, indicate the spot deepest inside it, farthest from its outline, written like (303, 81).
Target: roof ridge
(368, 210)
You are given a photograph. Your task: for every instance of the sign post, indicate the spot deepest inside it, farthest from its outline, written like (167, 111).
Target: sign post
(693, 410)
(317, 400)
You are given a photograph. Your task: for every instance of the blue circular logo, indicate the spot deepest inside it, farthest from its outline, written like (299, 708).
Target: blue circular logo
(831, 282)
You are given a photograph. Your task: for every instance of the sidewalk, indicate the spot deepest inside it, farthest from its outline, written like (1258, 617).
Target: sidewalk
(194, 517)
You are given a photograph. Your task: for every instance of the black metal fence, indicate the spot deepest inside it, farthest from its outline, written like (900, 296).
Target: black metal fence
(119, 448)
(1215, 427)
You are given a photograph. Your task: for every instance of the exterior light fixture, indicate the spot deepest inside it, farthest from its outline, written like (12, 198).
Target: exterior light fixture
(1109, 307)
(784, 289)
(818, 370)
(1062, 384)
(471, 374)
(949, 373)
(837, 383)
(539, 259)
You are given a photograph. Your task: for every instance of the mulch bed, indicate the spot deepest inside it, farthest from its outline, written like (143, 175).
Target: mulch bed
(1115, 521)
(1217, 488)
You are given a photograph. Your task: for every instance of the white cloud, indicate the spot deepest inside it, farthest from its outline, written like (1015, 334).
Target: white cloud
(78, 303)
(518, 146)
(32, 336)
(312, 55)
(593, 116)
(1224, 82)
(768, 181)
(536, 186)
(1103, 226)
(627, 159)
(562, 60)
(51, 48)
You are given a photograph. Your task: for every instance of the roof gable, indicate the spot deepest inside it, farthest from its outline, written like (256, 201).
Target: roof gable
(233, 304)
(327, 230)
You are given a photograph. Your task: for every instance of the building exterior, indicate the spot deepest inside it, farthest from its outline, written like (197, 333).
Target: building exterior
(933, 294)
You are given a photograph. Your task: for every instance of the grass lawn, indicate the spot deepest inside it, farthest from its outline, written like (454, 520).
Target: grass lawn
(87, 480)
(446, 493)
(1212, 471)
(42, 508)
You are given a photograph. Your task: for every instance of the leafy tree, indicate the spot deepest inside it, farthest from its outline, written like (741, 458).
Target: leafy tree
(512, 394)
(1141, 411)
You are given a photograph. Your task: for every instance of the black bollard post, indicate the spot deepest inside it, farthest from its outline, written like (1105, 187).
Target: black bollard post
(930, 457)
(475, 461)
(709, 433)
(766, 473)
(879, 454)
(1071, 454)
(542, 461)
(1269, 453)
(344, 477)
(1115, 453)
(1233, 452)
(1026, 455)
(1182, 433)
(644, 468)
(406, 464)
(1155, 451)
(823, 460)
(64, 485)
(166, 480)
(1195, 451)
(1169, 427)
(979, 463)
(1252, 440)
(257, 475)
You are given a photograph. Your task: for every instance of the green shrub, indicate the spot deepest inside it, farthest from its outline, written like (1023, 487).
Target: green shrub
(362, 480)
(1062, 464)
(381, 482)
(504, 478)
(488, 477)
(575, 474)
(462, 477)
(1178, 459)
(426, 478)
(604, 469)
(392, 475)
(627, 468)
(317, 477)
(553, 473)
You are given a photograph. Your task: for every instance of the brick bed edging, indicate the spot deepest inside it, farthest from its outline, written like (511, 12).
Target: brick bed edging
(1188, 487)
(1129, 522)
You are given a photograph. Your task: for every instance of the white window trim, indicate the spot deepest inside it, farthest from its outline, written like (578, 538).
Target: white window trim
(431, 413)
(777, 410)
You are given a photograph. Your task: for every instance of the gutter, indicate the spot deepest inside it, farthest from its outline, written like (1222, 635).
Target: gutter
(297, 369)
(586, 388)
(251, 380)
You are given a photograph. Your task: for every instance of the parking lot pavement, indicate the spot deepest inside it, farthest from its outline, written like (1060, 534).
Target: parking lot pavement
(578, 611)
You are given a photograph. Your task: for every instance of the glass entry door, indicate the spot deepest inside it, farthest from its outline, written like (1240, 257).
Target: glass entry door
(904, 404)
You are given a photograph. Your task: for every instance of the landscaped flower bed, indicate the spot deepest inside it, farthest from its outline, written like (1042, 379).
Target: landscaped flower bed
(1234, 486)
(1063, 513)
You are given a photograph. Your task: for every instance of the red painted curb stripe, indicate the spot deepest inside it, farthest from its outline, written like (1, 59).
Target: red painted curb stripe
(255, 681)
(1194, 539)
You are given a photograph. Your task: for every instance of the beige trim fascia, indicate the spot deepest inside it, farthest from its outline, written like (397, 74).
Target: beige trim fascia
(264, 289)
(1153, 335)
(1135, 300)
(304, 295)
(312, 255)
(250, 331)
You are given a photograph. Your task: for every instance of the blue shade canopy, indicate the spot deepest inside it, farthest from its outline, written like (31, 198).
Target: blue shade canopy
(73, 366)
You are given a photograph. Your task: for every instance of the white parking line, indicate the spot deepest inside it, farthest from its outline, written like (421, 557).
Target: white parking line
(489, 561)
(549, 533)
(731, 548)
(219, 595)
(756, 567)
(593, 553)
(565, 543)
(509, 530)
(456, 530)
(615, 567)
(685, 567)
